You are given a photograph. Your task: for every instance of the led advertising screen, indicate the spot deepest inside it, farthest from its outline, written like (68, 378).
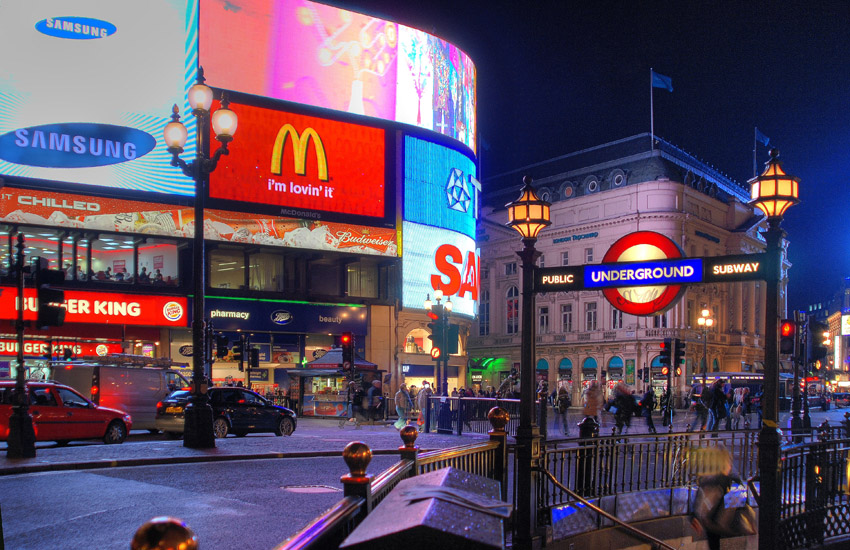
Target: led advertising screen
(437, 258)
(440, 187)
(86, 89)
(320, 55)
(68, 210)
(303, 165)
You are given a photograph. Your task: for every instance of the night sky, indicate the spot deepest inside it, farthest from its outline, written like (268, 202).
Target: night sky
(557, 77)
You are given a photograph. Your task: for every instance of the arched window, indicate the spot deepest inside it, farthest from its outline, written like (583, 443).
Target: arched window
(512, 311)
(484, 314)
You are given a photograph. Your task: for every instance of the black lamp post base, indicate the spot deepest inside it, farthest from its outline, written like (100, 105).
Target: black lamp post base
(21, 441)
(198, 427)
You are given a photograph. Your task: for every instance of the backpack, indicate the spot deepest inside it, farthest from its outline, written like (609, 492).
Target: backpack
(707, 397)
(563, 403)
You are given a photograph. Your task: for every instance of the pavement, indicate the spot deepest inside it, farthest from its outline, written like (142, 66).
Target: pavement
(312, 437)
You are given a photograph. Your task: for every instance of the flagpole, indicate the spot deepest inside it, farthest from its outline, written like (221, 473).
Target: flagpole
(755, 146)
(651, 115)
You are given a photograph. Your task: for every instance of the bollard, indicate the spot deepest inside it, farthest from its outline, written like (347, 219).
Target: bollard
(588, 430)
(357, 483)
(499, 418)
(409, 451)
(541, 411)
(164, 532)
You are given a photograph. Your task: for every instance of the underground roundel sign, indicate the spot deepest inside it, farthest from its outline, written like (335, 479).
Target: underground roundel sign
(643, 246)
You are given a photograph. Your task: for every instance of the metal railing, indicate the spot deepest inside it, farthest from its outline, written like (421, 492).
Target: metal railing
(459, 415)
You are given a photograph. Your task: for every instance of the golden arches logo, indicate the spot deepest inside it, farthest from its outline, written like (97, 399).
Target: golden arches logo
(300, 144)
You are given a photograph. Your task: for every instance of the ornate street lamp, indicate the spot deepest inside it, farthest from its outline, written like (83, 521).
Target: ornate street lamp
(706, 322)
(198, 429)
(773, 192)
(528, 215)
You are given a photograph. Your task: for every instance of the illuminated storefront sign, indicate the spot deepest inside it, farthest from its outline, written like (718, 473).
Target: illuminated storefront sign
(438, 258)
(440, 187)
(286, 316)
(845, 325)
(40, 348)
(303, 166)
(99, 131)
(643, 273)
(321, 55)
(103, 307)
(66, 210)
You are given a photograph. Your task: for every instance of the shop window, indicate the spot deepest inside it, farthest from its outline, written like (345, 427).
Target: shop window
(362, 279)
(484, 314)
(158, 262)
(111, 259)
(417, 341)
(266, 272)
(41, 244)
(324, 279)
(512, 311)
(227, 268)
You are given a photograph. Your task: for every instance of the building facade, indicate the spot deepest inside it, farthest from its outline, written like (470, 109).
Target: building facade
(597, 196)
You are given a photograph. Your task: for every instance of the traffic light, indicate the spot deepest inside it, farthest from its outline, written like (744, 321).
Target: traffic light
(220, 346)
(678, 355)
(50, 300)
(436, 327)
(238, 351)
(818, 336)
(666, 352)
(253, 358)
(347, 341)
(788, 337)
(646, 373)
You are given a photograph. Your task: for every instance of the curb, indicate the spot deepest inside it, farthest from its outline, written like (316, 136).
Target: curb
(129, 462)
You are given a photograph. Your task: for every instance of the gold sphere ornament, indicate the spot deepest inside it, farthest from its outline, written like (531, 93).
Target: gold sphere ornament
(357, 456)
(164, 533)
(498, 418)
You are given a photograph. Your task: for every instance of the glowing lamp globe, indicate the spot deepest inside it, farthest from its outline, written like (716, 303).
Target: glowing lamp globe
(773, 191)
(528, 214)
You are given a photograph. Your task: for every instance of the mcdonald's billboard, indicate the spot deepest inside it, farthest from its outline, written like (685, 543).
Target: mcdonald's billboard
(301, 166)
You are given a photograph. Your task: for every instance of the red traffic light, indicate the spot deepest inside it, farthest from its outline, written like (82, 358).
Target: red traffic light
(788, 328)
(433, 315)
(663, 346)
(346, 337)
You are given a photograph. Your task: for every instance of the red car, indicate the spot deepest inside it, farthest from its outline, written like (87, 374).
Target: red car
(61, 414)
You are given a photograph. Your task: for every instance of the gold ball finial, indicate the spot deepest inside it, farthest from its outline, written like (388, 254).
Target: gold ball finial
(357, 456)
(498, 418)
(408, 435)
(164, 533)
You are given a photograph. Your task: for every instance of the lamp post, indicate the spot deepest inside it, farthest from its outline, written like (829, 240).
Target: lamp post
(198, 429)
(773, 192)
(706, 321)
(528, 215)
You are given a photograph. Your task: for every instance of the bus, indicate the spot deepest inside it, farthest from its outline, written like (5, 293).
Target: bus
(754, 381)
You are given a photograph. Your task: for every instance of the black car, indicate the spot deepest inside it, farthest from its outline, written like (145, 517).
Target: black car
(235, 410)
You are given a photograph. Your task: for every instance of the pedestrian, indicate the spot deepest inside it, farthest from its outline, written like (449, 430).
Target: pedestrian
(729, 394)
(648, 404)
(454, 392)
(562, 405)
(623, 407)
(717, 409)
(695, 397)
(593, 401)
(710, 514)
(355, 403)
(423, 401)
(374, 398)
(403, 405)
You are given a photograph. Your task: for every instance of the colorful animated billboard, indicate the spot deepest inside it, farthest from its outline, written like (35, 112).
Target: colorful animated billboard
(320, 55)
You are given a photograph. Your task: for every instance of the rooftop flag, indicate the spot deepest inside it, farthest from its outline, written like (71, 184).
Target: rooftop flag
(761, 138)
(661, 81)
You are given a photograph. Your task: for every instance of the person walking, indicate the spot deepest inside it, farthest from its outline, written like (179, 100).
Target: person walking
(423, 400)
(695, 397)
(648, 404)
(374, 396)
(403, 404)
(717, 409)
(593, 401)
(562, 405)
(624, 405)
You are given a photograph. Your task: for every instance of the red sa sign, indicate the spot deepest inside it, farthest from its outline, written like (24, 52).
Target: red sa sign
(462, 272)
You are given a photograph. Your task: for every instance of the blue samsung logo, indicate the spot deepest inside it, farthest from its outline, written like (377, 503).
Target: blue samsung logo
(75, 28)
(74, 145)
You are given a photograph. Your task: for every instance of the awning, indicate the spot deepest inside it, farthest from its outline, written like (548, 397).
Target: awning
(565, 364)
(333, 359)
(309, 373)
(542, 364)
(615, 362)
(589, 363)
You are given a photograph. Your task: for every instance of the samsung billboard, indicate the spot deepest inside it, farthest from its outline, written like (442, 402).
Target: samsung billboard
(439, 258)
(86, 89)
(320, 55)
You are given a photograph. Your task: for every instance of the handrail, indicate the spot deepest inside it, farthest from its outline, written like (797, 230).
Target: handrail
(656, 543)
(751, 485)
(315, 534)
(437, 455)
(391, 476)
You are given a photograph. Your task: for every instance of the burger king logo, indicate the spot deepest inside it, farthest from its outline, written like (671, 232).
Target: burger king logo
(172, 311)
(101, 350)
